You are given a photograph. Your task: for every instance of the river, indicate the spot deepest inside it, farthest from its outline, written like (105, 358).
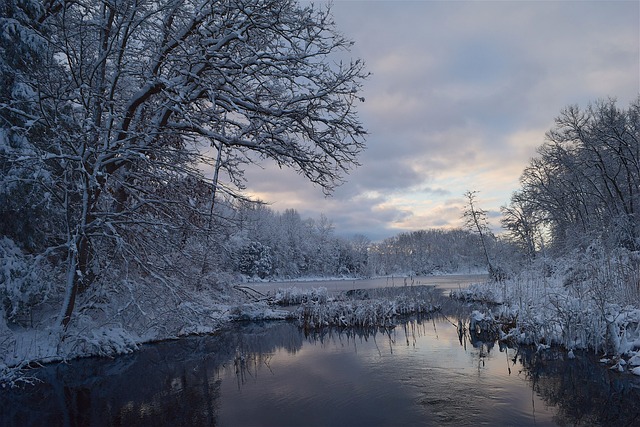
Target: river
(444, 282)
(422, 372)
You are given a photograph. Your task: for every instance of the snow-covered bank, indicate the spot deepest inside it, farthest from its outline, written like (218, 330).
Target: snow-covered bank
(120, 327)
(590, 303)
(125, 320)
(120, 321)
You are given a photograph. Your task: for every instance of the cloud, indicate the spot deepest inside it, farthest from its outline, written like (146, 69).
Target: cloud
(460, 96)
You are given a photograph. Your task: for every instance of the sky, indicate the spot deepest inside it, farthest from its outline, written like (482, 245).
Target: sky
(459, 98)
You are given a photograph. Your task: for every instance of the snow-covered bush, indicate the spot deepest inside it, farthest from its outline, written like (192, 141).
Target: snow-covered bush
(370, 308)
(587, 300)
(478, 292)
(482, 327)
(107, 341)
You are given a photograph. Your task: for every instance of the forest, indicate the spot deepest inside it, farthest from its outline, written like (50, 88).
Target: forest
(575, 219)
(125, 128)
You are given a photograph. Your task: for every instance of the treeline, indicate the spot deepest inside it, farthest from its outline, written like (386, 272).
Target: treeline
(584, 184)
(266, 244)
(431, 251)
(281, 245)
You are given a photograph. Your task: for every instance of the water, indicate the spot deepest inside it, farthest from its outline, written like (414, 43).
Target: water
(422, 372)
(445, 283)
(417, 374)
(270, 374)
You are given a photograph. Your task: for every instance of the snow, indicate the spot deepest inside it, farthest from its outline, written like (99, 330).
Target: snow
(129, 318)
(109, 340)
(634, 360)
(477, 316)
(592, 313)
(366, 308)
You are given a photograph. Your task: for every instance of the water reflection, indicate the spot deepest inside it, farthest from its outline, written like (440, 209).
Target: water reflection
(170, 383)
(422, 372)
(583, 391)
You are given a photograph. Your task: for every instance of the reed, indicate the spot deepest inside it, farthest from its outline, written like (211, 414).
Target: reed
(367, 308)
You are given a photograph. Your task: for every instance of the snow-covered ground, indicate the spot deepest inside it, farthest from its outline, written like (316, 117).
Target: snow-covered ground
(122, 325)
(592, 305)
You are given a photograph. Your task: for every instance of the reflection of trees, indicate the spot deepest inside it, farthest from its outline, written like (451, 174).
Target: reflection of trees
(168, 383)
(179, 382)
(584, 392)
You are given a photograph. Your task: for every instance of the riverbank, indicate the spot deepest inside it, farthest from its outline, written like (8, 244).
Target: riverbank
(121, 328)
(274, 373)
(594, 313)
(133, 316)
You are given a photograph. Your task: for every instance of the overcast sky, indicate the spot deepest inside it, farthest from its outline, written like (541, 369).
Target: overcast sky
(460, 96)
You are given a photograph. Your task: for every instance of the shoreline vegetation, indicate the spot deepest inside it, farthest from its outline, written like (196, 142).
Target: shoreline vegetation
(102, 332)
(592, 314)
(517, 311)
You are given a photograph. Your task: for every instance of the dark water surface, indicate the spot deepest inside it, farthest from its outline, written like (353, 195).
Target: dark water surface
(271, 374)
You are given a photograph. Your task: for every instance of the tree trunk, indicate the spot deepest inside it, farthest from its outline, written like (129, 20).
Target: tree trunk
(71, 289)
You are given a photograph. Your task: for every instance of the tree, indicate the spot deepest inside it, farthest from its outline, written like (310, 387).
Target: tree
(521, 223)
(255, 260)
(476, 221)
(585, 182)
(360, 246)
(23, 185)
(133, 97)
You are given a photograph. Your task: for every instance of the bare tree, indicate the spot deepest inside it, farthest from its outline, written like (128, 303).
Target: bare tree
(476, 221)
(133, 93)
(584, 183)
(519, 219)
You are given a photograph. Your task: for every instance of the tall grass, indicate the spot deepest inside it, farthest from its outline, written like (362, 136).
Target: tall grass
(367, 308)
(589, 300)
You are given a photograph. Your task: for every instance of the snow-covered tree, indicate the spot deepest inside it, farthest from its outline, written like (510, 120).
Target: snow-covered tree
(585, 182)
(476, 221)
(129, 99)
(255, 260)
(522, 225)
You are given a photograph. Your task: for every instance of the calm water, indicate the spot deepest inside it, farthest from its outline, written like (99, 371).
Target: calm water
(271, 374)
